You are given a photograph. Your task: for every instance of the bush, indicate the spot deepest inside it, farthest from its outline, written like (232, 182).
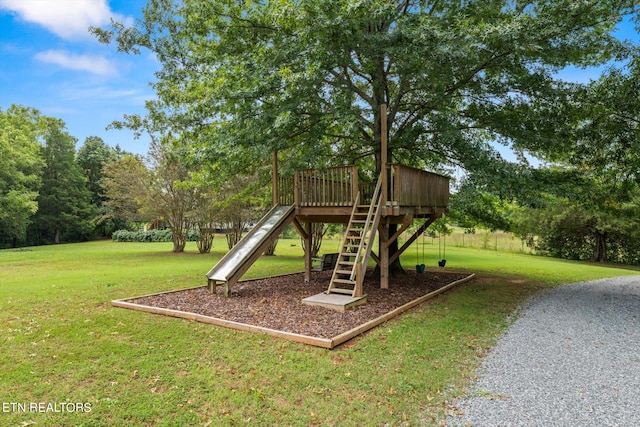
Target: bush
(150, 236)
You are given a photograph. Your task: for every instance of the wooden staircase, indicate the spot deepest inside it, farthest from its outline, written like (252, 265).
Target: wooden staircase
(351, 266)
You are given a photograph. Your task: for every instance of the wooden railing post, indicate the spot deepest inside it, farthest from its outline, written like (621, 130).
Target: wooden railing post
(296, 189)
(274, 178)
(355, 189)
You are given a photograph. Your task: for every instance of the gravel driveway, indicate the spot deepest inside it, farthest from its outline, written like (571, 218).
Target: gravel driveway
(572, 358)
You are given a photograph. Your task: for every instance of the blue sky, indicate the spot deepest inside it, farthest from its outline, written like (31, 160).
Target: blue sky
(49, 61)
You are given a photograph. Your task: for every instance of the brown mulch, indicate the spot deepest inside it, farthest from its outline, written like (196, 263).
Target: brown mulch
(275, 302)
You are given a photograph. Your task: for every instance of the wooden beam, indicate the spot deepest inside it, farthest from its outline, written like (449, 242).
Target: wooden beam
(274, 178)
(308, 241)
(406, 223)
(383, 152)
(408, 243)
(375, 257)
(383, 248)
(304, 339)
(299, 228)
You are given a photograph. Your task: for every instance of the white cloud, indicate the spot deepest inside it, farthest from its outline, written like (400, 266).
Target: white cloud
(69, 19)
(91, 63)
(103, 94)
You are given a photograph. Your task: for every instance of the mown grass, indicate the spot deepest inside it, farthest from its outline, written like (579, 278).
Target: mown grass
(62, 341)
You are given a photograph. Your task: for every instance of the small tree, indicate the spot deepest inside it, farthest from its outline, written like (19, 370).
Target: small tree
(125, 182)
(240, 202)
(163, 191)
(204, 218)
(318, 231)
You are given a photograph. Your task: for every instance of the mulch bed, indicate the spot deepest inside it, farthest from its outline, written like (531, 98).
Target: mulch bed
(275, 302)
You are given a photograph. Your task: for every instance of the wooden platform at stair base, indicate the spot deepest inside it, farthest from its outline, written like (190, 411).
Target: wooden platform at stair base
(335, 302)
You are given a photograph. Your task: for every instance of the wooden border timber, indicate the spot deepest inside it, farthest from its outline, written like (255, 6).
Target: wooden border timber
(346, 336)
(328, 343)
(305, 339)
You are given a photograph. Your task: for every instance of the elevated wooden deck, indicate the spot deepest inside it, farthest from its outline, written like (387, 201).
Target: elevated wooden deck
(328, 195)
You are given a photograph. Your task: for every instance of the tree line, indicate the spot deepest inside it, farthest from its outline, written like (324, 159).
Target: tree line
(52, 193)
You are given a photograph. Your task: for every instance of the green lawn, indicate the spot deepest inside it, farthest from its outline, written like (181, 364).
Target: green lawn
(62, 342)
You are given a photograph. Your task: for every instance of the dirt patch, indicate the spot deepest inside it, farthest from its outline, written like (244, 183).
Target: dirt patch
(275, 302)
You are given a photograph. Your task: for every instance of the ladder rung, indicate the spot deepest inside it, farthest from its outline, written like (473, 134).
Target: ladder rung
(348, 254)
(346, 262)
(346, 281)
(343, 272)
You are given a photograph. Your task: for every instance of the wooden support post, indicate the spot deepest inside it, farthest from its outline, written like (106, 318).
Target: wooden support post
(296, 189)
(383, 153)
(384, 255)
(212, 286)
(357, 292)
(383, 247)
(275, 191)
(308, 241)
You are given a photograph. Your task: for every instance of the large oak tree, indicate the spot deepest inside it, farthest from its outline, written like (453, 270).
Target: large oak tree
(242, 78)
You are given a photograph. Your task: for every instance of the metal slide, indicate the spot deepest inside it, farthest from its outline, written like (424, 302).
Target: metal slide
(243, 251)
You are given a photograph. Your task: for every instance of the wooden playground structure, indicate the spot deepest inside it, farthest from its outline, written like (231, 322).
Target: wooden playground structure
(400, 195)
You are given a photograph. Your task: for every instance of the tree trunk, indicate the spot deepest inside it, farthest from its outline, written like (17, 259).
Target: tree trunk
(271, 249)
(206, 239)
(179, 240)
(318, 230)
(56, 238)
(600, 253)
(234, 233)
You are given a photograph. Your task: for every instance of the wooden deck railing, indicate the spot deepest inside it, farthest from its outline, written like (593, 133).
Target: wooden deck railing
(331, 187)
(415, 187)
(339, 186)
(286, 190)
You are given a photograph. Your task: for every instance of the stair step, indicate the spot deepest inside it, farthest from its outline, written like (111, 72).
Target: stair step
(341, 291)
(345, 281)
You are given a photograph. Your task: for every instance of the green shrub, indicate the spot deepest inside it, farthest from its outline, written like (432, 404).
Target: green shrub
(150, 236)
